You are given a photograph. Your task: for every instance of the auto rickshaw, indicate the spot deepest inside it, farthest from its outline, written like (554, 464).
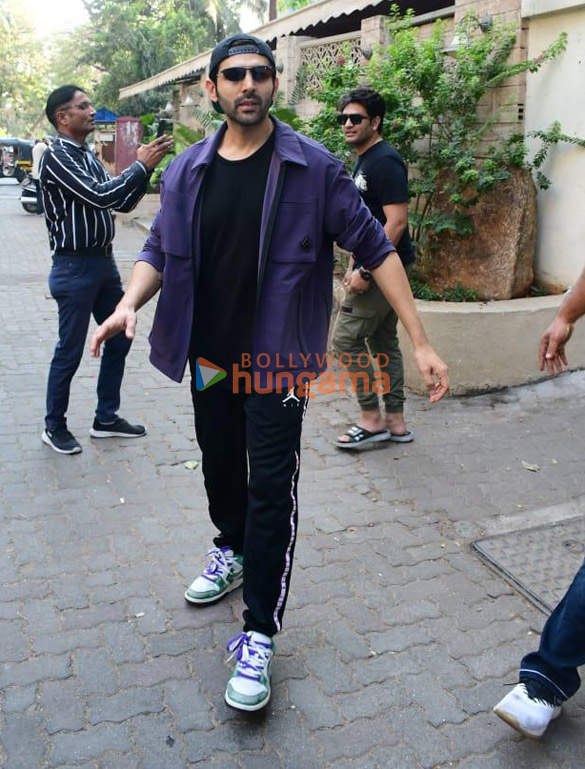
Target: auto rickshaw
(16, 158)
(23, 160)
(7, 156)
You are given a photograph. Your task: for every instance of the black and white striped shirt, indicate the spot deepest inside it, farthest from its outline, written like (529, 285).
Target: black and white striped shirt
(78, 193)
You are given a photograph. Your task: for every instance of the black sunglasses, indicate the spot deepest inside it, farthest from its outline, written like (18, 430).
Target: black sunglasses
(260, 73)
(353, 117)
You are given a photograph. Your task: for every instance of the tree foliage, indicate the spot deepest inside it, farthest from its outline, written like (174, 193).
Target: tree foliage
(132, 40)
(225, 14)
(23, 73)
(68, 63)
(126, 41)
(286, 6)
(433, 115)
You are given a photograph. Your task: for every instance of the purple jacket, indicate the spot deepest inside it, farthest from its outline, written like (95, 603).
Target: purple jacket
(310, 201)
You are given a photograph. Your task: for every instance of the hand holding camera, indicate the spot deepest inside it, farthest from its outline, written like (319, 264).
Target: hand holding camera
(151, 154)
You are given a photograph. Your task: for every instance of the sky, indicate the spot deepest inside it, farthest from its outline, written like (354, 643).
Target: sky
(58, 15)
(249, 21)
(54, 16)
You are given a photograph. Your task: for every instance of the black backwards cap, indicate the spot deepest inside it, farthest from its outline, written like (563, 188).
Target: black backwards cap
(235, 45)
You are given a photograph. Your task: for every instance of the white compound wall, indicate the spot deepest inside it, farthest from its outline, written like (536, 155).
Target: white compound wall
(557, 92)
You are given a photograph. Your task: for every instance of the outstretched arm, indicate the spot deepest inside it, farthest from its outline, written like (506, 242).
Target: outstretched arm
(393, 282)
(144, 283)
(551, 352)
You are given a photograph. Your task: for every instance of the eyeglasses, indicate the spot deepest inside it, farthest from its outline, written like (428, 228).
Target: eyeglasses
(354, 118)
(260, 73)
(83, 106)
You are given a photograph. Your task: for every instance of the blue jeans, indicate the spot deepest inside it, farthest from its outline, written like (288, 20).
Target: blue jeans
(562, 645)
(82, 286)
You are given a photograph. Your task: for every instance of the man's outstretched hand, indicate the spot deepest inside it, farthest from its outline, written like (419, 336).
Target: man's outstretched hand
(551, 352)
(122, 319)
(151, 154)
(434, 372)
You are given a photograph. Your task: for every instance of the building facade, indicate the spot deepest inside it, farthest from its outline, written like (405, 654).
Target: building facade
(317, 34)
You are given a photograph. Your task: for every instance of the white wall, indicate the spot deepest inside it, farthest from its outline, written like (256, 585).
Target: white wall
(557, 92)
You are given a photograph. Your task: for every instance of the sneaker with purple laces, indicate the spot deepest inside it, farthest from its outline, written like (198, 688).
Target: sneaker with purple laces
(249, 687)
(526, 712)
(223, 573)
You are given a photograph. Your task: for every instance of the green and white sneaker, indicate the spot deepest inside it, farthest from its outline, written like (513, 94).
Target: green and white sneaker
(249, 686)
(223, 573)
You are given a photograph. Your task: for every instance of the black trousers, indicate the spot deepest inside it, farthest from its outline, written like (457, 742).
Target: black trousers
(250, 445)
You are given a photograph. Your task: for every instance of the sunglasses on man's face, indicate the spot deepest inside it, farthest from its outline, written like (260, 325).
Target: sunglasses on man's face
(260, 73)
(353, 117)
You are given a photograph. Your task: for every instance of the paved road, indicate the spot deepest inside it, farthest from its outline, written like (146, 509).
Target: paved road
(398, 639)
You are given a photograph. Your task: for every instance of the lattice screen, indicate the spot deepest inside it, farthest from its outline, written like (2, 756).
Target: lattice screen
(317, 58)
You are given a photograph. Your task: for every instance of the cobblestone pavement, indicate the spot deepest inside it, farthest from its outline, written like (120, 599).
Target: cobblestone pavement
(398, 639)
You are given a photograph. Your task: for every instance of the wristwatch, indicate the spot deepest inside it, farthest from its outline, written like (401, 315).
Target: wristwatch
(365, 274)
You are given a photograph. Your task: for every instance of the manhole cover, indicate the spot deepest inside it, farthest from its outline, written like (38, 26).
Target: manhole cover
(541, 562)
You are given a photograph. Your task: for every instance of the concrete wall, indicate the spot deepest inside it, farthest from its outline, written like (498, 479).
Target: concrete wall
(489, 345)
(557, 93)
(507, 100)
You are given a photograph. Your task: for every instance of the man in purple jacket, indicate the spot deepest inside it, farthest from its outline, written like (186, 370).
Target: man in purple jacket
(241, 251)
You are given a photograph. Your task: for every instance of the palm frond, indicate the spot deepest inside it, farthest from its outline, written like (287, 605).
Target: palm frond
(300, 90)
(209, 121)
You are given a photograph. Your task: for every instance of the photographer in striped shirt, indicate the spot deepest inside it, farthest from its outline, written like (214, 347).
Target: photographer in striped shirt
(78, 197)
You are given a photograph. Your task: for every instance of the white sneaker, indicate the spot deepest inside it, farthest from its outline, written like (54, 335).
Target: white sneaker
(223, 573)
(528, 715)
(249, 686)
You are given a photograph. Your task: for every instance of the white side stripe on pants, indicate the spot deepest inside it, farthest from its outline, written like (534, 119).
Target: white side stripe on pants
(293, 531)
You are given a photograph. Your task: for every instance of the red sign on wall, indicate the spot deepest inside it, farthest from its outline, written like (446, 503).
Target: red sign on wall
(128, 137)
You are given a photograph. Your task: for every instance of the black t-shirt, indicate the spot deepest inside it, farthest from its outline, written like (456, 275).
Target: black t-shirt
(382, 179)
(225, 299)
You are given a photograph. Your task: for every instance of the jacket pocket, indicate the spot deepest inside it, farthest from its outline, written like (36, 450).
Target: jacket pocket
(294, 238)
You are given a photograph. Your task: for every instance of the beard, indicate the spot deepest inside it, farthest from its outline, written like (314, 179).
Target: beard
(253, 116)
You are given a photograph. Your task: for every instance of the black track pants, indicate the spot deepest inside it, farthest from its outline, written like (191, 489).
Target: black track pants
(251, 457)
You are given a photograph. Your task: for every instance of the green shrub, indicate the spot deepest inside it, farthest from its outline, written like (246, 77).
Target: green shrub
(432, 104)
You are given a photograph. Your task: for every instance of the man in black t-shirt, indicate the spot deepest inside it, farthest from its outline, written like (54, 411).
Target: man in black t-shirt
(229, 267)
(366, 324)
(241, 251)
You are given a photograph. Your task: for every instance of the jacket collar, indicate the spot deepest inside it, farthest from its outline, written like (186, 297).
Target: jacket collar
(286, 145)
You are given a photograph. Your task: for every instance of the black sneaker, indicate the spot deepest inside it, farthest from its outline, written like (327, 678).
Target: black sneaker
(61, 440)
(118, 429)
